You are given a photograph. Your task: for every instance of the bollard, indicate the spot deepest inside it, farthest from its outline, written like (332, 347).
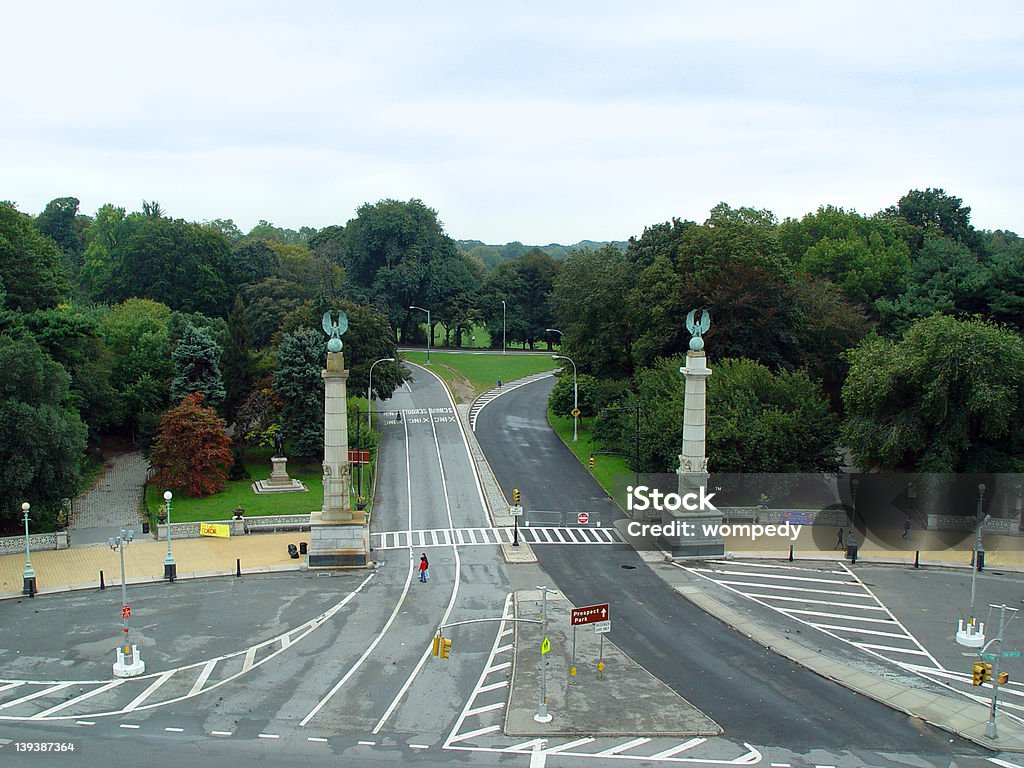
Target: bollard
(238, 566)
(917, 559)
(102, 585)
(791, 553)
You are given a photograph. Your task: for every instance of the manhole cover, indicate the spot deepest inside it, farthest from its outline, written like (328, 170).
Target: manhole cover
(628, 567)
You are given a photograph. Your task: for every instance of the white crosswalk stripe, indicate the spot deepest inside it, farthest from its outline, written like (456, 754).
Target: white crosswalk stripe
(468, 537)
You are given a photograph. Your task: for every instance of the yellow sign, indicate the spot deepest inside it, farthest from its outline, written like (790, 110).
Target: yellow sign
(545, 646)
(575, 413)
(221, 530)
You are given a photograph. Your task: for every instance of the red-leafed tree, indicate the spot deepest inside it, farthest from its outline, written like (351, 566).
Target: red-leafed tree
(192, 452)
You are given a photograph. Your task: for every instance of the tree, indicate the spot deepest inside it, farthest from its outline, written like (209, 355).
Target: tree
(60, 222)
(297, 382)
(44, 438)
(948, 396)
(197, 367)
(192, 452)
(933, 208)
(31, 268)
(239, 360)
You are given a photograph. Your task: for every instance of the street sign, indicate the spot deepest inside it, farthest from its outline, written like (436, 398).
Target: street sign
(600, 627)
(545, 646)
(575, 413)
(358, 457)
(126, 611)
(516, 510)
(591, 614)
(583, 518)
(1004, 654)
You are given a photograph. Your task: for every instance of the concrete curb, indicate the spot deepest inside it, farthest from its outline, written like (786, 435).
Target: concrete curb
(956, 715)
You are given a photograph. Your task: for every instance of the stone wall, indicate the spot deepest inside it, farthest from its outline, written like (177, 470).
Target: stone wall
(12, 545)
(238, 527)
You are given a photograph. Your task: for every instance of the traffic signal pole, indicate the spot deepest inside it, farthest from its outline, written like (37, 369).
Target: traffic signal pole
(990, 727)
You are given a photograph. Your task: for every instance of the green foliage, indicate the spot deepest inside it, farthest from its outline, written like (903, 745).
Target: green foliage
(197, 367)
(60, 222)
(44, 438)
(239, 359)
(588, 394)
(192, 452)
(31, 267)
(298, 383)
(525, 284)
(948, 396)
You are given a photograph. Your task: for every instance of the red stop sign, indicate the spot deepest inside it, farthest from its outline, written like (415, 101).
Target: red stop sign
(583, 518)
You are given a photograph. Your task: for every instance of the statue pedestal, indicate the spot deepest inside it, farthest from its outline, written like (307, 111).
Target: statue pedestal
(279, 482)
(339, 544)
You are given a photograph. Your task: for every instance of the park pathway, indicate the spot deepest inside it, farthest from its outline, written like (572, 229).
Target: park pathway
(112, 503)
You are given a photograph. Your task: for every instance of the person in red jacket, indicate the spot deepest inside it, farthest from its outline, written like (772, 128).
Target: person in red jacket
(424, 575)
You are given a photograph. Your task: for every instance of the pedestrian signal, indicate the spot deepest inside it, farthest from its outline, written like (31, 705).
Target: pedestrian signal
(515, 497)
(446, 647)
(1004, 678)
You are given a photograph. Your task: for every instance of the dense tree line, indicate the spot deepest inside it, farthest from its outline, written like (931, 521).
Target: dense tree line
(834, 328)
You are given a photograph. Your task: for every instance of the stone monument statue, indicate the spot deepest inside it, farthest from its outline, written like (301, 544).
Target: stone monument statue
(693, 462)
(279, 481)
(339, 537)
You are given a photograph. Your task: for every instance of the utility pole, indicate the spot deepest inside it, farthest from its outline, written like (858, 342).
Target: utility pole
(990, 727)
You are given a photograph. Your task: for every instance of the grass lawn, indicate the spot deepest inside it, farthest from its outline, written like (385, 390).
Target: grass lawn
(239, 493)
(470, 374)
(609, 470)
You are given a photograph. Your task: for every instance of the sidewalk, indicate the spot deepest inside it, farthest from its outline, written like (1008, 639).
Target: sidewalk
(80, 567)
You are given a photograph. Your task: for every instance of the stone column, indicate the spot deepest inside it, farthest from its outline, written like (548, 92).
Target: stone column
(693, 469)
(337, 479)
(339, 537)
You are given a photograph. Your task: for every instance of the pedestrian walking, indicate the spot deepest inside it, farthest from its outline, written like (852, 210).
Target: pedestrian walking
(839, 540)
(499, 383)
(424, 565)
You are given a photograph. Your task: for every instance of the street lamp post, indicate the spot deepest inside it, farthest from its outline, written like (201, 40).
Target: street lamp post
(429, 329)
(369, 388)
(170, 568)
(129, 663)
(503, 326)
(979, 553)
(28, 582)
(575, 396)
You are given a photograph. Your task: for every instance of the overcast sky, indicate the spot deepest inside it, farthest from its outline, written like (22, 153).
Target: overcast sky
(533, 121)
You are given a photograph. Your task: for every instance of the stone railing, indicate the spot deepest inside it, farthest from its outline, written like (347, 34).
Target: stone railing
(764, 516)
(999, 525)
(12, 545)
(239, 526)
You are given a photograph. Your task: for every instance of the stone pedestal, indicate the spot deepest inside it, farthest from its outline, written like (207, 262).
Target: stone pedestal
(279, 482)
(692, 471)
(339, 537)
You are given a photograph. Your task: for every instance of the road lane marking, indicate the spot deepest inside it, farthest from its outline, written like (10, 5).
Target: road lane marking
(268, 736)
(473, 734)
(149, 691)
(678, 748)
(77, 699)
(318, 739)
(622, 747)
(129, 726)
(485, 708)
(175, 730)
(220, 733)
(37, 695)
(203, 677)
(569, 745)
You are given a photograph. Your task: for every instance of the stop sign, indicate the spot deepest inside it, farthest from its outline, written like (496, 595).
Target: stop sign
(583, 518)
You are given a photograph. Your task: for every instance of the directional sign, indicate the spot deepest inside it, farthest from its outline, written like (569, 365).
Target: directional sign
(583, 518)
(591, 614)
(575, 413)
(358, 457)
(1004, 654)
(126, 611)
(600, 627)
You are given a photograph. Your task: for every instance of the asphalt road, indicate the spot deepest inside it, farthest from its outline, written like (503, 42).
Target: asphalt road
(754, 694)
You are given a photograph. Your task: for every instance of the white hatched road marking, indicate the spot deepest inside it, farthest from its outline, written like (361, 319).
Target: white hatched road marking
(878, 613)
(154, 681)
(928, 668)
(488, 397)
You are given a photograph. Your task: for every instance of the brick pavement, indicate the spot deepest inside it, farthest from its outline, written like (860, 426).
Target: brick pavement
(113, 502)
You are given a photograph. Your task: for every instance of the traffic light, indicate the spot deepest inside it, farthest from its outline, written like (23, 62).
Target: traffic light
(515, 497)
(1004, 678)
(446, 647)
(436, 648)
(591, 463)
(981, 672)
